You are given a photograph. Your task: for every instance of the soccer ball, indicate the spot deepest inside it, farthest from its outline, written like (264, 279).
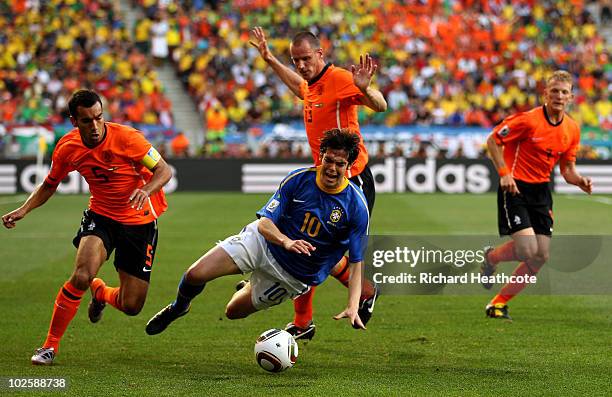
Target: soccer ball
(276, 350)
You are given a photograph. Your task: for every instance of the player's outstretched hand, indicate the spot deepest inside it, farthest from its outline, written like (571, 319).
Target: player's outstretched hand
(362, 74)
(260, 43)
(586, 184)
(353, 317)
(508, 184)
(138, 198)
(12, 217)
(298, 246)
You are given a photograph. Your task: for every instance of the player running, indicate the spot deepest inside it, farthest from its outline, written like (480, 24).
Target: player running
(525, 148)
(125, 176)
(314, 217)
(331, 96)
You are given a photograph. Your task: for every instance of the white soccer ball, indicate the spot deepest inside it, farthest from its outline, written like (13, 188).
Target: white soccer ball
(276, 350)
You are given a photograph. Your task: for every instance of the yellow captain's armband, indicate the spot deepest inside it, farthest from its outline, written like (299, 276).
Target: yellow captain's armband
(151, 159)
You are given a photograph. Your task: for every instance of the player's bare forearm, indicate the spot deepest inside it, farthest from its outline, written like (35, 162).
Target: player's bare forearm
(291, 79)
(354, 284)
(496, 153)
(271, 233)
(352, 307)
(572, 176)
(288, 76)
(161, 175)
(39, 196)
(374, 99)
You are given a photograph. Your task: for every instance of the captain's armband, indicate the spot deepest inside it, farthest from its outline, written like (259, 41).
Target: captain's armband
(151, 159)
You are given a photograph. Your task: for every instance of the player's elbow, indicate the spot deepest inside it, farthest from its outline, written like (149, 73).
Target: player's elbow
(382, 106)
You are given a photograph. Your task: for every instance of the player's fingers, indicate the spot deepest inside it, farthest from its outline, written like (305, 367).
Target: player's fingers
(340, 316)
(357, 322)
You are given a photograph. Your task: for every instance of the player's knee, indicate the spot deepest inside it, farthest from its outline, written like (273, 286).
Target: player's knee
(233, 312)
(193, 277)
(526, 252)
(131, 308)
(81, 278)
(539, 259)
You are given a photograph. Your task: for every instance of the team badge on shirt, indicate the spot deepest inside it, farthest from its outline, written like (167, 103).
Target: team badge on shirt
(335, 215)
(107, 156)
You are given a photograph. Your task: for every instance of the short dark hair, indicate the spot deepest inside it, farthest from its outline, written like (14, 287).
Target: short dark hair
(341, 139)
(302, 36)
(84, 98)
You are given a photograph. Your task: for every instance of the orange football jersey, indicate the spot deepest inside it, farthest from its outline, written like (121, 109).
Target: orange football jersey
(533, 145)
(113, 171)
(330, 101)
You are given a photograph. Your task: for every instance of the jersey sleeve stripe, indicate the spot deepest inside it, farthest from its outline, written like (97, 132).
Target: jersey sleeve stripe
(289, 177)
(365, 204)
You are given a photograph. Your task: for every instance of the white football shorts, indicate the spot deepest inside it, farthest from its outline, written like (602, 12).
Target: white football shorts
(270, 283)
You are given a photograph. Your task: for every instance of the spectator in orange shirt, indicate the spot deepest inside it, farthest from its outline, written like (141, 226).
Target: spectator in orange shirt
(180, 145)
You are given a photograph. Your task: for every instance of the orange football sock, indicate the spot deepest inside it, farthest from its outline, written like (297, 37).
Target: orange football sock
(503, 253)
(509, 290)
(342, 275)
(302, 305)
(66, 305)
(106, 294)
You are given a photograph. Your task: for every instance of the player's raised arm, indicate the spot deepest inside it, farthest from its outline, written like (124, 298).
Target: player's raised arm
(496, 153)
(38, 197)
(362, 77)
(354, 290)
(271, 233)
(285, 73)
(572, 176)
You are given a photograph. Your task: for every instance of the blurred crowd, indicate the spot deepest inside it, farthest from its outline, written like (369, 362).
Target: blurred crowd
(48, 49)
(451, 62)
(441, 62)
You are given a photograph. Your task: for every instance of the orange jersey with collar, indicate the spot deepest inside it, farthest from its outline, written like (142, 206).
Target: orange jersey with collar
(533, 145)
(113, 171)
(330, 101)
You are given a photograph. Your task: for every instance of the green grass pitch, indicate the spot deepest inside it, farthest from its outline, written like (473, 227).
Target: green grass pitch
(414, 345)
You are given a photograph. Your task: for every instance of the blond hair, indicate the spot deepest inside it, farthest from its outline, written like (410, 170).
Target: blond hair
(561, 75)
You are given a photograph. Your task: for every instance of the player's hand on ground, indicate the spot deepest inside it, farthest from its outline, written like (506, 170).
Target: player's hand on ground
(260, 43)
(586, 184)
(9, 219)
(353, 317)
(298, 246)
(138, 198)
(508, 184)
(362, 74)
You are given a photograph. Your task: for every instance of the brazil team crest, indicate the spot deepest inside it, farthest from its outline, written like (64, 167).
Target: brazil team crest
(335, 215)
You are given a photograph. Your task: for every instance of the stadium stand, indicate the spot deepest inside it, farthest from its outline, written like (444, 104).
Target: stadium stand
(449, 70)
(50, 48)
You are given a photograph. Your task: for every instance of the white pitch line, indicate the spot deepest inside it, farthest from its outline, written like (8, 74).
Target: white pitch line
(603, 200)
(14, 200)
